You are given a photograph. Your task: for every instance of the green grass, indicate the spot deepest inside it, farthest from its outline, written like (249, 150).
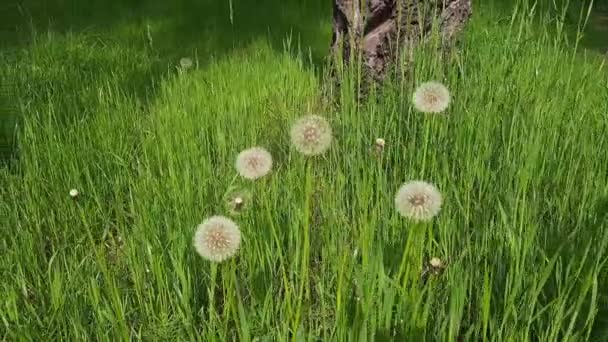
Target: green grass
(520, 159)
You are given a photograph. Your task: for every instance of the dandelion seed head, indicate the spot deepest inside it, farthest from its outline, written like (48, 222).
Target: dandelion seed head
(436, 262)
(431, 97)
(418, 200)
(237, 201)
(217, 238)
(311, 135)
(253, 163)
(186, 63)
(74, 193)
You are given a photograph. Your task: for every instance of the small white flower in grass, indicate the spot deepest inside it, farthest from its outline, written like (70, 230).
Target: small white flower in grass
(378, 148)
(238, 201)
(74, 193)
(217, 238)
(186, 63)
(436, 262)
(311, 135)
(253, 163)
(380, 143)
(418, 200)
(431, 97)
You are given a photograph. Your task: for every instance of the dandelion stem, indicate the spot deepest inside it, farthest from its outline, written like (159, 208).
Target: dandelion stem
(231, 12)
(412, 255)
(427, 130)
(211, 293)
(306, 245)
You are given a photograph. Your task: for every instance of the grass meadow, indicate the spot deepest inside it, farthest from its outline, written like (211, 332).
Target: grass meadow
(94, 100)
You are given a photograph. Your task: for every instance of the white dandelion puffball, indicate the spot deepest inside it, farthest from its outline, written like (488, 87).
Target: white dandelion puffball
(431, 97)
(217, 238)
(253, 163)
(186, 63)
(74, 193)
(418, 200)
(311, 135)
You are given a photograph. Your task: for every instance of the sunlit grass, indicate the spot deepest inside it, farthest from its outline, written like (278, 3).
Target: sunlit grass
(519, 157)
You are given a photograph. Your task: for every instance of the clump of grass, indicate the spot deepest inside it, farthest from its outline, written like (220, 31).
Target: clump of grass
(522, 227)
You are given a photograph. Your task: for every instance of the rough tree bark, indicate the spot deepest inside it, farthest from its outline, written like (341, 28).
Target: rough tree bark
(380, 30)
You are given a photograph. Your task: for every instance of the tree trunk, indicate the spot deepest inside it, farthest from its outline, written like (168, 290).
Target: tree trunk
(380, 30)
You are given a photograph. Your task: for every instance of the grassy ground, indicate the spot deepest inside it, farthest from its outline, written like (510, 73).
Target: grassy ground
(520, 159)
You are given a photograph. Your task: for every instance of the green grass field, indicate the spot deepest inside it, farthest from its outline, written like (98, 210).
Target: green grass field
(93, 100)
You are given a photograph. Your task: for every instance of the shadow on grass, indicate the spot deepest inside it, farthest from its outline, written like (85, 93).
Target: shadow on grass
(177, 25)
(595, 32)
(63, 51)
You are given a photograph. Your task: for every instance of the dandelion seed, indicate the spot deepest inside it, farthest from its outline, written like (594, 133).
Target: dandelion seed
(186, 63)
(217, 238)
(431, 97)
(418, 200)
(74, 193)
(311, 135)
(253, 163)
